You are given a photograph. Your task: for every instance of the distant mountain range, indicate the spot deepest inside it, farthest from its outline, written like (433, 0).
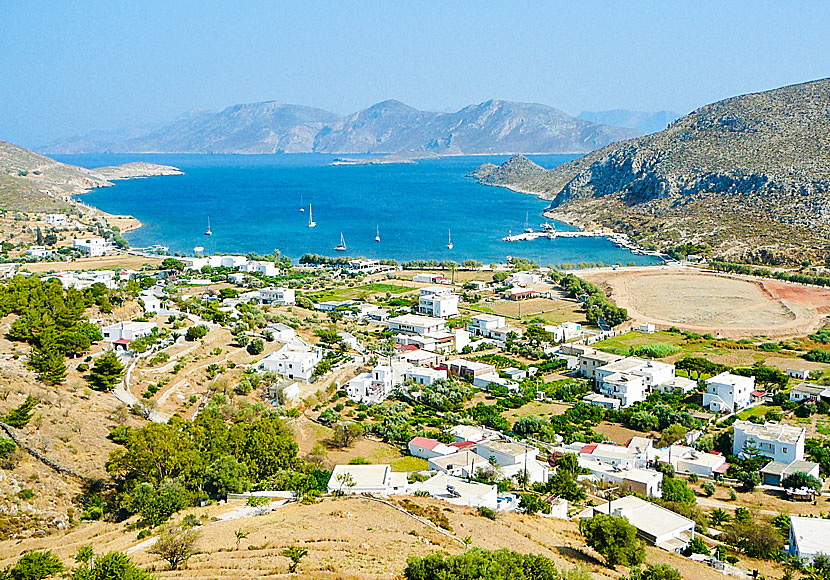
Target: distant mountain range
(747, 177)
(390, 127)
(645, 123)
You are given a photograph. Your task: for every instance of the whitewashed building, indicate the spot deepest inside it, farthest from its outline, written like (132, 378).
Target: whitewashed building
(656, 525)
(415, 324)
(425, 376)
(427, 448)
(281, 332)
(279, 296)
(727, 393)
(375, 386)
(809, 537)
(56, 219)
(92, 246)
(359, 479)
(127, 331)
(438, 301)
(491, 327)
(295, 360)
(781, 443)
(262, 267)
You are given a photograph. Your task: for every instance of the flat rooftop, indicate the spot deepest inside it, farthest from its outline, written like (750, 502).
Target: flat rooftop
(812, 535)
(771, 431)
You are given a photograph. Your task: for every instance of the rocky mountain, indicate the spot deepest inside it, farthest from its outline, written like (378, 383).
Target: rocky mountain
(643, 122)
(748, 176)
(30, 181)
(385, 128)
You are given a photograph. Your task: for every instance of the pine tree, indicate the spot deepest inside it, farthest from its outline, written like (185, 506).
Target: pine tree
(106, 373)
(20, 416)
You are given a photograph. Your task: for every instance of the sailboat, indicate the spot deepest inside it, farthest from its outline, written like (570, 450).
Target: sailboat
(449, 244)
(341, 247)
(302, 209)
(377, 235)
(208, 232)
(311, 222)
(528, 229)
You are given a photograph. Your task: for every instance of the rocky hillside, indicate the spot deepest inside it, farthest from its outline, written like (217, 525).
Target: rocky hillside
(33, 182)
(384, 128)
(749, 176)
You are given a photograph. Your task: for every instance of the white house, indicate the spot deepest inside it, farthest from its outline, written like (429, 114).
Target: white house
(807, 392)
(656, 525)
(472, 434)
(801, 374)
(781, 443)
(487, 381)
(152, 301)
(375, 386)
(464, 463)
(295, 360)
(689, 460)
(427, 448)
(126, 332)
(637, 480)
(424, 376)
(514, 458)
(39, 252)
(653, 372)
(458, 491)
(262, 267)
(428, 278)
(681, 384)
(415, 324)
(727, 393)
(621, 457)
(234, 262)
(467, 369)
(565, 331)
(281, 332)
(591, 359)
(280, 296)
(601, 400)
(56, 219)
(91, 246)
(808, 537)
(489, 326)
(525, 278)
(374, 479)
(438, 301)
(628, 388)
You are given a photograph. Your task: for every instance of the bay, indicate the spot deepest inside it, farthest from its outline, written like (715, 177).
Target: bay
(253, 203)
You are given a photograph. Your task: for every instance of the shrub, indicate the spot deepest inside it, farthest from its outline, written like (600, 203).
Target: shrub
(486, 512)
(479, 564)
(614, 538)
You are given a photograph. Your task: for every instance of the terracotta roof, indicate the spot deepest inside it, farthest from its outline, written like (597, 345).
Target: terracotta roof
(721, 468)
(589, 448)
(121, 341)
(462, 444)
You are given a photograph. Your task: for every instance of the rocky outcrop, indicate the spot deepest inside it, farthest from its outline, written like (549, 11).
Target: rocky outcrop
(758, 160)
(136, 170)
(388, 127)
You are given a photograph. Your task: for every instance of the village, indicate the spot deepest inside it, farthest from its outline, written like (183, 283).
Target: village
(508, 388)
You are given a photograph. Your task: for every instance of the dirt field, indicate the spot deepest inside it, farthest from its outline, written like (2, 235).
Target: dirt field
(353, 538)
(724, 305)
(103, 263)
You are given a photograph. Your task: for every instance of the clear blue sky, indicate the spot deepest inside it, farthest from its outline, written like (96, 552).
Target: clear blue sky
(70, 67)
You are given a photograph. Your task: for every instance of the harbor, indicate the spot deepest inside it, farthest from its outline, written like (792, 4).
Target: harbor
(549, 232)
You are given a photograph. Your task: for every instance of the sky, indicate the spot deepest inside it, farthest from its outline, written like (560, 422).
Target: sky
(69, 68)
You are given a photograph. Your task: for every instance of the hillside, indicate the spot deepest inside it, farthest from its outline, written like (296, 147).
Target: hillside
(748, 176)
(387, 127)
(30, 181)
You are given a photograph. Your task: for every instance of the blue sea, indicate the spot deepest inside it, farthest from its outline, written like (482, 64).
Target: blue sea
(253, 203)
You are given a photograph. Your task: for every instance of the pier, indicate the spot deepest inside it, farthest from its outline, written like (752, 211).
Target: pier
(619, 240)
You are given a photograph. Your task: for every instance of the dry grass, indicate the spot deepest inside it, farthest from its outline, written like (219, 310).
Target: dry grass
(127, 261)
(348, 538)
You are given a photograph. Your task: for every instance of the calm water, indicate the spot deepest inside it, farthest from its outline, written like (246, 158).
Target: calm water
(253, 203)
